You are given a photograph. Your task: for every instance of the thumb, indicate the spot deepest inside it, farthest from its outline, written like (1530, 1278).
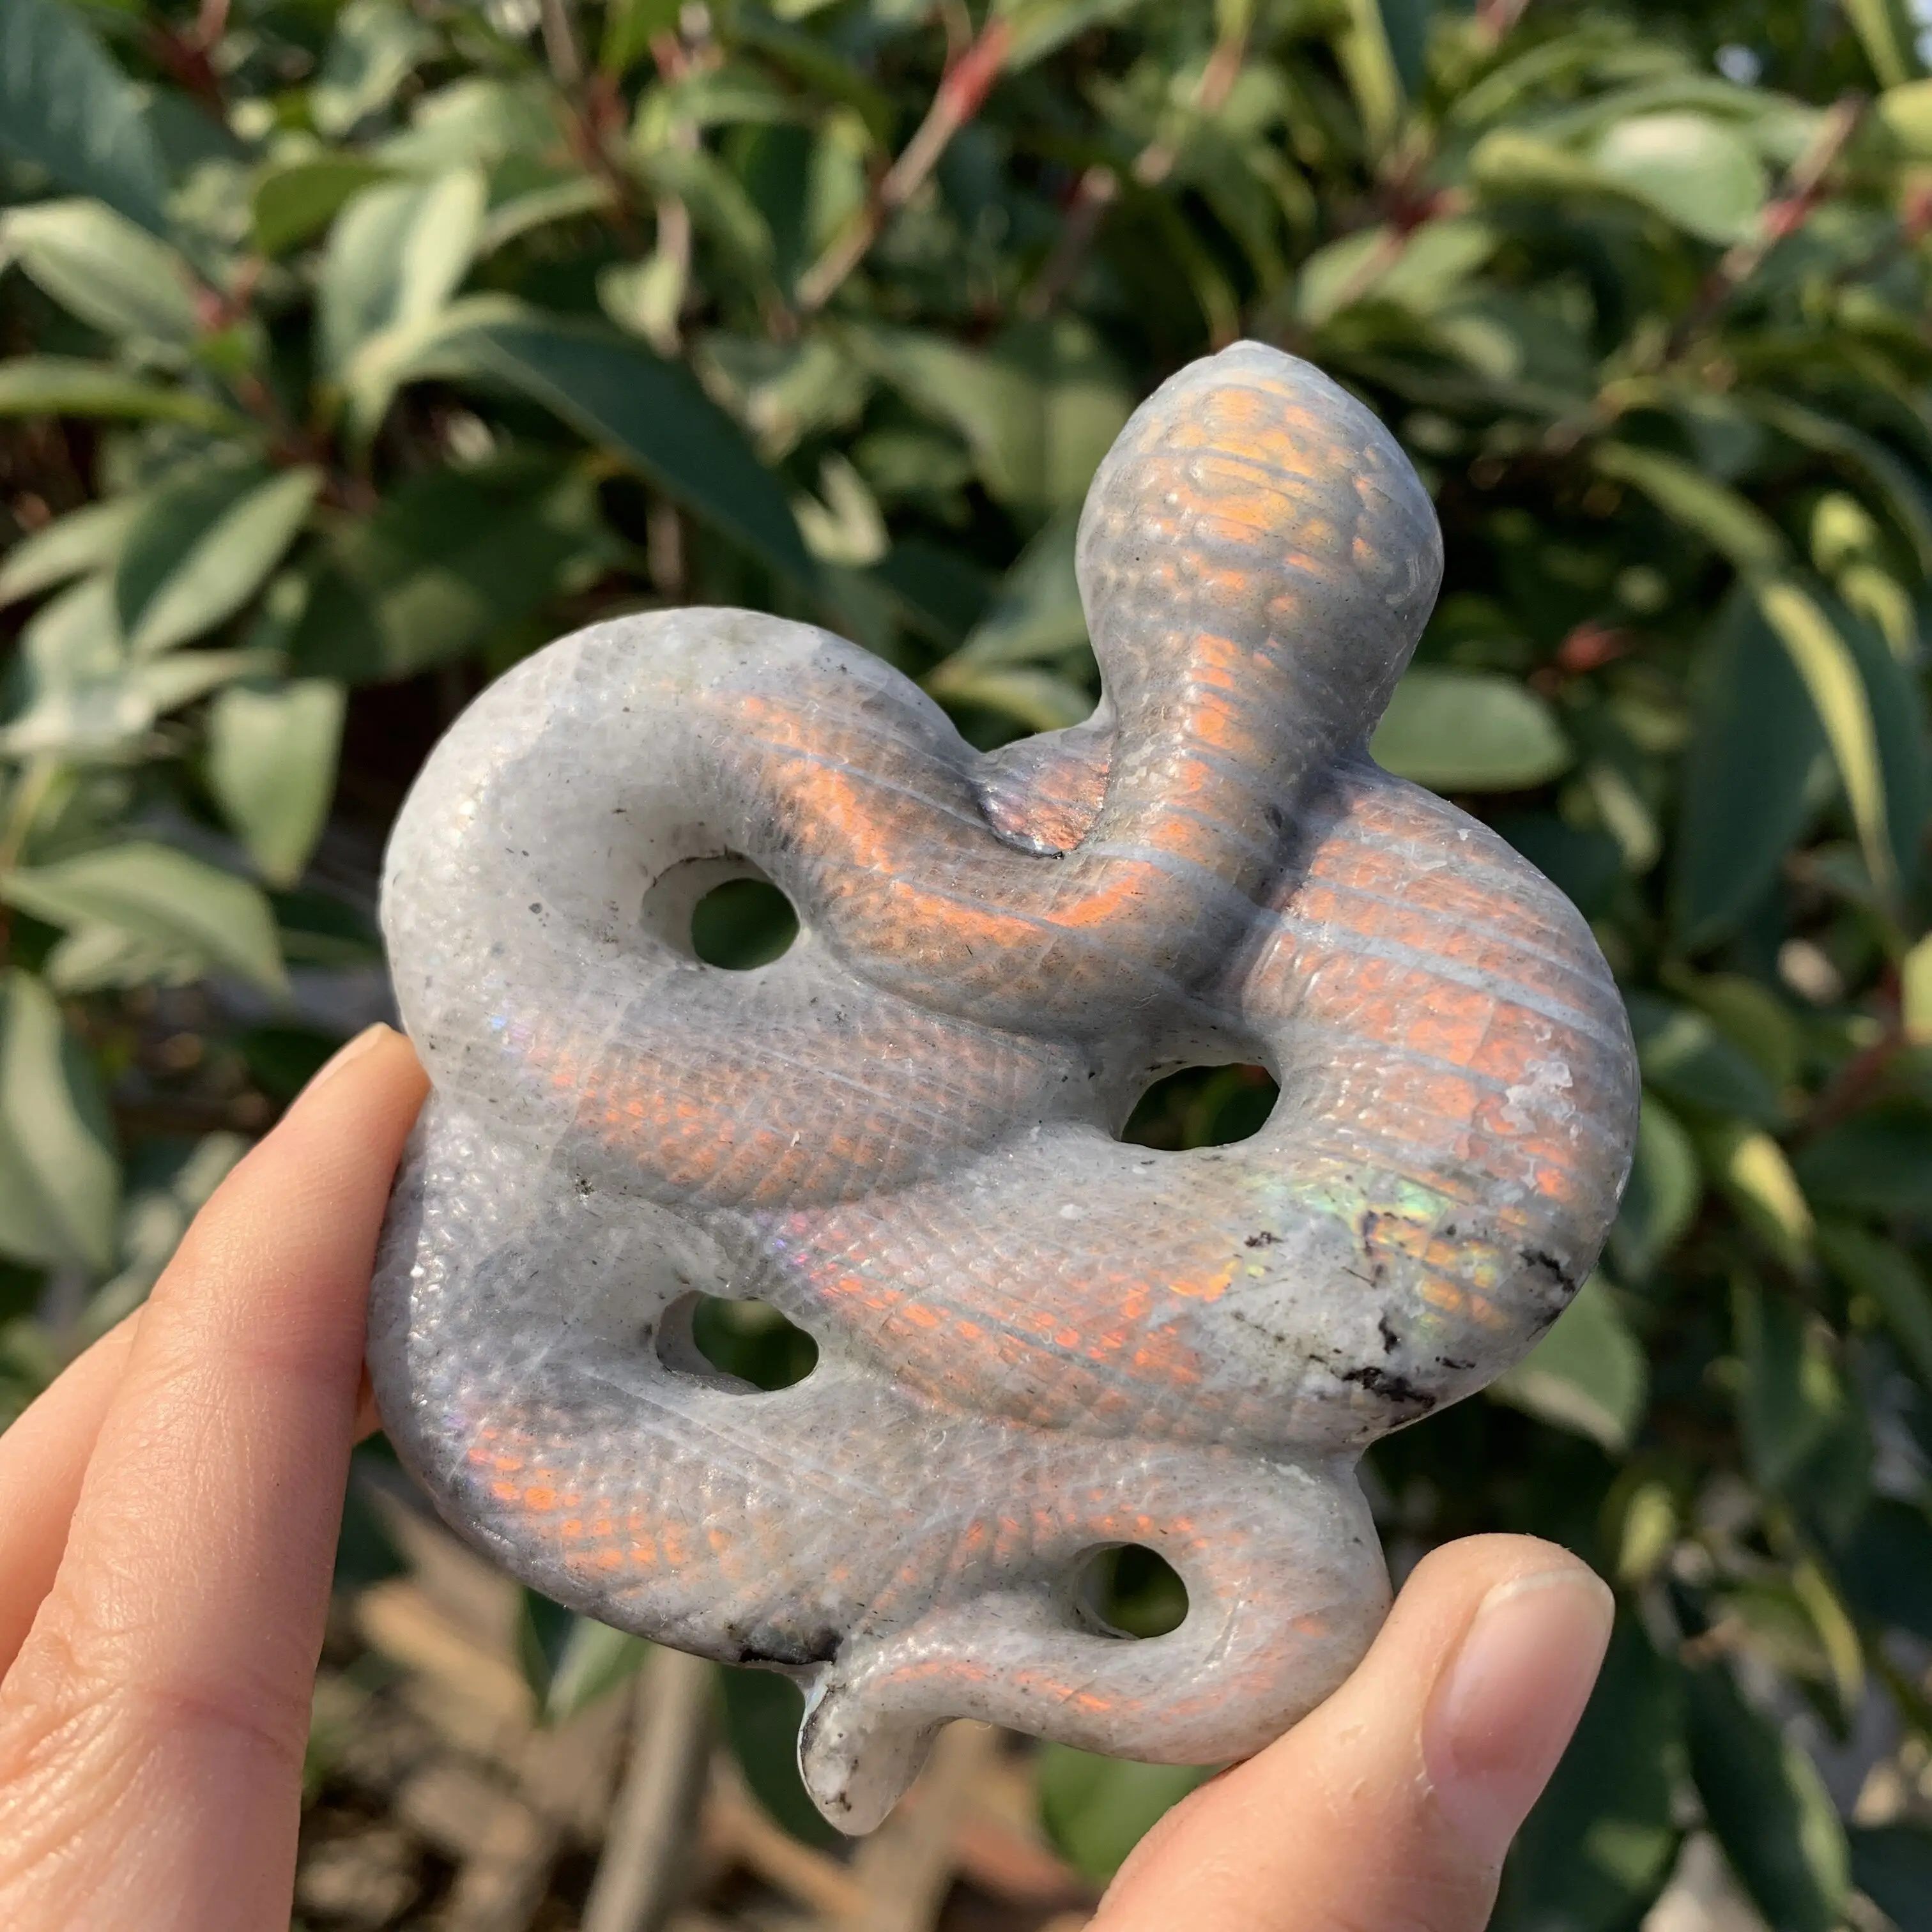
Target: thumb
(1389, 1809)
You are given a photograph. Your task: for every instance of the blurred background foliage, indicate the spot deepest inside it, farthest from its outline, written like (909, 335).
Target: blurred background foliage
(355, 350)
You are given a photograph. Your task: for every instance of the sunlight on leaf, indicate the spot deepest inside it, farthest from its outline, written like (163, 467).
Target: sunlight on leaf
(1588, 1373)
(1469, 731)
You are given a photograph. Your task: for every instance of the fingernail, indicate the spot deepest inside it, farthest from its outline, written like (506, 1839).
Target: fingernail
(353, 1049)
(1503, 1710)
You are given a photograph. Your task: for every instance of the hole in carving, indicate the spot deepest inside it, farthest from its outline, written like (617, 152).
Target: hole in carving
(720, 909)
(750, 1342)
(1128, 1590)
(1203, 1106)
(742, 924)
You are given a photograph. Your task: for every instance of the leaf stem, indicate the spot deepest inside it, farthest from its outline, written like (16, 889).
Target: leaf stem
(1802, 188)
(962, 89)
(560, 48)
(1098, 187)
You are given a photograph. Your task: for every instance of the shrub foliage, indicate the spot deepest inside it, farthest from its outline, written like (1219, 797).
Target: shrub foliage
(355, 350)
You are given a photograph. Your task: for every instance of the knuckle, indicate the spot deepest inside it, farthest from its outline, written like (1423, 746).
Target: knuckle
(75, 1703)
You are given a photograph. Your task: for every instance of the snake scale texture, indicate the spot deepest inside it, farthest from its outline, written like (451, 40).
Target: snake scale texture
(1035, 1340)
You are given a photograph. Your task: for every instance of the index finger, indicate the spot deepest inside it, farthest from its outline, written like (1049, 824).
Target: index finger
(152, 1729)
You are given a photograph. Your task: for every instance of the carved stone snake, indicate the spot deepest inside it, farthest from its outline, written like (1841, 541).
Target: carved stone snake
(1035, 1340)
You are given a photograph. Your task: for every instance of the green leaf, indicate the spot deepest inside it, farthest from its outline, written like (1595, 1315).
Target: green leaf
(1767, 1807)
(184, 908)
(106, 269)
(77, 698)
(1879, 1162)
(480, 121)
(83, 540)
(1040, 27)
(1687, 1060)
(1095, 1810)
(1039, 407)
(571, 1661)
(1905, 112)
(271, 758)
(1722, 519)
(555, 201)
(1885, 1566)
(1587, 1374)
(84, 697)
(1895, 705)
(1749, 1169)
(1914, 992)
(59, 1183)
(299, 199)
(1036, 614)
(1457, 730)
(316, 928)
(1600, 1845)
(447, 561)
(1660, 1202)
(1790, 1399)
(648, 410)
(1874, 1267)
(375, 43)
(1040, 700)
(202, 545)
(1755, 1021)
(64, 386)
(841, 523)
(629, 26)
(1079, 403)
(1830, 670)
(1747, 794)
(721, 213)
(365, 1552)
(1584, 862)
(65, 107)
(396, 254)
(1695, 171)
(1889, 33)
(409, 352)
(1368, 59)
(1422, 268)
(181, 676)
(1894, 481)
(941, 595)
(1892, 1866)
(1508, 162)
(97, 958)
(762, 1711)
(1405, 25)
(595, 1661)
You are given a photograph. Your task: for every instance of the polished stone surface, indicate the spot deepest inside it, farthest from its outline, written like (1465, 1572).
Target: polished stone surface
(1036, 1341)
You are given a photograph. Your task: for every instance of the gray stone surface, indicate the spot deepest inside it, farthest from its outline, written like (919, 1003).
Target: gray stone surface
(1036, 1341)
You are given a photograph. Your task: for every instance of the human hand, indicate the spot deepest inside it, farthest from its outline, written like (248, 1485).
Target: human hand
(1389, 1809)
(168, 1515)
(169, 1511)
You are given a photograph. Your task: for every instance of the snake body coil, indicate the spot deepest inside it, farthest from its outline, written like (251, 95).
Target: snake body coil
(1035, 1341)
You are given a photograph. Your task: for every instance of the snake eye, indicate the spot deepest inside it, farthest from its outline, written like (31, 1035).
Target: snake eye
(1127, 1590)
(744, 1346)
(1203, 1106)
